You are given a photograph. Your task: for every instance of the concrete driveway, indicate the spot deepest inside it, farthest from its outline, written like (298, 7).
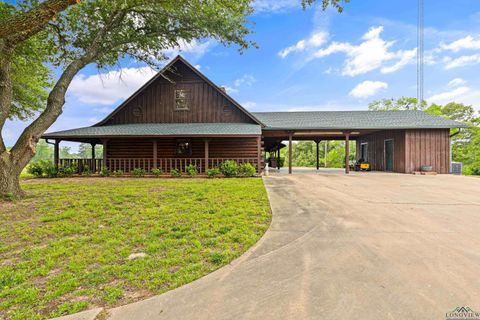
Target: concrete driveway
(363, 246)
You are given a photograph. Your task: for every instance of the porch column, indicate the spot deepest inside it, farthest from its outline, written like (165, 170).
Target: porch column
(105, 146)
(259, 155)
(206, 155)
(347, 152)
(155, 154)
(326, 152)
(290, 136)
(56, 153)
(318, 161)
(278, 157)
(94, 165)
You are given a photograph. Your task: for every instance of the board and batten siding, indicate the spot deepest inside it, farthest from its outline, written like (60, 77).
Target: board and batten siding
(413, 148)
(430, 147)
(156, 102)
(376, 149)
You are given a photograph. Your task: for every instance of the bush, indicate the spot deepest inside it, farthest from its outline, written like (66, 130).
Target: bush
(229, 168)
(86, 171)
(191, 170)
(476, 171)
(35, 169)
(50, 170)
(138, 172)
(104, 172)
(175, 173)
(247, 170)
(118, 173)
(66, 171)
(211, 173)
(156, 172)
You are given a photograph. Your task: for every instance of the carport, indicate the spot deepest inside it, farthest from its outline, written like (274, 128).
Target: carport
(396, 141)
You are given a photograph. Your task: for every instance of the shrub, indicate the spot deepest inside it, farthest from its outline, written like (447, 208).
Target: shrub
(476, 171)
(247, 170)
(191, 170)
(138, 172)
(50, 170)
(66, 171)
(211, 173)
(104, 172)
(86, 171)
(118, 173)
(175, 173)
(35, 169)
(156, 172)
(229, 168)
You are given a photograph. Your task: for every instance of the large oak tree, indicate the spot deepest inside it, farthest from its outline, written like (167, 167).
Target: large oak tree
(67, 35)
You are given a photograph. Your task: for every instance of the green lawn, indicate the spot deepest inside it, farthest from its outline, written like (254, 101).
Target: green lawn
(65, 247)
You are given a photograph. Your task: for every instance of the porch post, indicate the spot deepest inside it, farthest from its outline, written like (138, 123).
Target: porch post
(318, 161)
(56, 153)
(278, 157)
(259, 155)
(206, 155)
(290, 134)
(155, 154)
(94, 165)
(326, 152)
(347, 152)
(105, 145)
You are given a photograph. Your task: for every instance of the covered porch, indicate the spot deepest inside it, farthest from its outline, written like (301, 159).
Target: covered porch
(163, 146)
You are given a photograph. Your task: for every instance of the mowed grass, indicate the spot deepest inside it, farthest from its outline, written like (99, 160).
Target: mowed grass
(65, 247)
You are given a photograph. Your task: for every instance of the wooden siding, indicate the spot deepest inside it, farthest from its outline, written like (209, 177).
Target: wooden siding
(430, 147)
(376, 149)
(156, 103)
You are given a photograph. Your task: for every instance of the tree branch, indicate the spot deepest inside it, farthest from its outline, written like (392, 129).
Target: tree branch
(23, 25)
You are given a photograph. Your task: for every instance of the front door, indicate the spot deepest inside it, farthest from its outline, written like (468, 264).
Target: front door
(388, 155)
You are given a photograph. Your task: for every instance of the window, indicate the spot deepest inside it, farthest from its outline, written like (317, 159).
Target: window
(364, 152)
(181, 99)
(183, 148)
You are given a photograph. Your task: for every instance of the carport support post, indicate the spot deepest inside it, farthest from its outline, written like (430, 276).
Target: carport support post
(318, 161)
(347, 152)
(93, 168)
(259, 155)
(155, 154)
(290, 136)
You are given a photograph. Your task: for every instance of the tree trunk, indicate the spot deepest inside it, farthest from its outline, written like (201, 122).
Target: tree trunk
(9, 178)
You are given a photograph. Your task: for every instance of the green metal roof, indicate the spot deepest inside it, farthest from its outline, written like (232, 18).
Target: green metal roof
(320, 120)
(159, 129)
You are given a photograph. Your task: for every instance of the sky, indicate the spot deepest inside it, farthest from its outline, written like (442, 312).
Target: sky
(311, 60)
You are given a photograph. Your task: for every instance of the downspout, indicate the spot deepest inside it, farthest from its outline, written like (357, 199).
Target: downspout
(451, 145)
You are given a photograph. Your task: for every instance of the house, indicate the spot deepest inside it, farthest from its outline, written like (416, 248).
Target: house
(180, 117)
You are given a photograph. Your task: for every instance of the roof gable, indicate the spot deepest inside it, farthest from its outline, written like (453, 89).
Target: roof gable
(171, 74)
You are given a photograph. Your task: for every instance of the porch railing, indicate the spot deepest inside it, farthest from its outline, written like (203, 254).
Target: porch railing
(164, 164)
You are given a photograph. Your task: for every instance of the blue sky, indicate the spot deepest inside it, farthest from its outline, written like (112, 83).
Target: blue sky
(313, 60)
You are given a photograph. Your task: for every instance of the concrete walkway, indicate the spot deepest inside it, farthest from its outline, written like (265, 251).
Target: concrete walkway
(363, 246)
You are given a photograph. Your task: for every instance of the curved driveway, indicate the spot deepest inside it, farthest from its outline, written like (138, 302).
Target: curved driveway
(363, 246)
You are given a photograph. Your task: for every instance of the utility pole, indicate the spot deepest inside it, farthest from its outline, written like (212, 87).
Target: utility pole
(420, 49)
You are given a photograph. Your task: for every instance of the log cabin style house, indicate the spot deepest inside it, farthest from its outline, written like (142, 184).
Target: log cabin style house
(181, 118)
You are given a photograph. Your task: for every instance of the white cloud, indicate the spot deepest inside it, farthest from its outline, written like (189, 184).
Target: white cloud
(246, 79)
(368, 88)
(457, 82)
(449, 96)
(249, 105)
(274, 5)
(371, 54)
(107, 88)
(451, 63)
(196, 49)
(316, 40)
(467, 42)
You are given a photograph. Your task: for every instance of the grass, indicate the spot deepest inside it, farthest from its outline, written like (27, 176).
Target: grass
(65, 247)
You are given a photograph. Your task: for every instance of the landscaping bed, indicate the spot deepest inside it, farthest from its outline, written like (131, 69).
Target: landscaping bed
(75, 244)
